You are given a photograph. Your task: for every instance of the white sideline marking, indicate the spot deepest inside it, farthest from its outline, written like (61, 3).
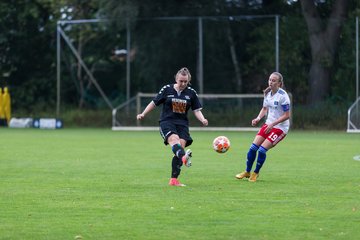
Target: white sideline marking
(356, 158)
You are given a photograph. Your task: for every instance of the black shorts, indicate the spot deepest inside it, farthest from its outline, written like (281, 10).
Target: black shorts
(168, 128)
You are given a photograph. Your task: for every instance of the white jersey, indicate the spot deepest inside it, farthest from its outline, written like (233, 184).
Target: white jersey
(277, 105)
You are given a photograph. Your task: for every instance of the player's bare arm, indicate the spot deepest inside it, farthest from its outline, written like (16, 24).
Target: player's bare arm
(261, 114)
(281, 119)
(148, 109)
(199, 115)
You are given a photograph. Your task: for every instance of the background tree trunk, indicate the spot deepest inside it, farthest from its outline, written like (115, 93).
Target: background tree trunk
(323, 37)
(235, 61)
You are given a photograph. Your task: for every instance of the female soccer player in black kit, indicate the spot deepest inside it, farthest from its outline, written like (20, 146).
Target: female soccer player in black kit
(177, 99)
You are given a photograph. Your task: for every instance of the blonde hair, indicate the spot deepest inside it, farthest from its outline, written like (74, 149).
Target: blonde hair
(280, 79)
(184, 72)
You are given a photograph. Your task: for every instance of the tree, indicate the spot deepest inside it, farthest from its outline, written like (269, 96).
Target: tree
(323, 36)
(26, 32)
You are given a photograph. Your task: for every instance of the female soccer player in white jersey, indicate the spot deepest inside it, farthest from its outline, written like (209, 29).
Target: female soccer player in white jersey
(177, 99)
(276, 106)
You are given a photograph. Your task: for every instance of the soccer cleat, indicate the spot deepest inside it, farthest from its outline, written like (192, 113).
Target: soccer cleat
(176, 183)
(187, 158)
(243, 175)
(253, 177)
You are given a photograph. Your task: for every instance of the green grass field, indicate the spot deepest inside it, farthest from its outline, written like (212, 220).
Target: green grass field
(101, 184)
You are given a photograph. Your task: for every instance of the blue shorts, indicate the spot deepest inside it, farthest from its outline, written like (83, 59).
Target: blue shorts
(168, 128)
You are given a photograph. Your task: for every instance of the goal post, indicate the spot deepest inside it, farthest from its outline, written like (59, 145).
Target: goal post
(353, 122)
(225, 112)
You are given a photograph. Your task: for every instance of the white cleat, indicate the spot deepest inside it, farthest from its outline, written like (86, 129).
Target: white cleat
(187, 158)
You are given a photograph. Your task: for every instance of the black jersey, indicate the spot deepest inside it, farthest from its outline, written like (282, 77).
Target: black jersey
(176, 105)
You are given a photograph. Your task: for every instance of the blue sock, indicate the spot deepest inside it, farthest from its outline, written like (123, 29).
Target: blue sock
(251, 156)
(261, 159)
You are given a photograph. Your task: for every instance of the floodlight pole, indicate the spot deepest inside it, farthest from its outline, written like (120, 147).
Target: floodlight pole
(357, 58)
(128, 46)
(277, 42)
(200, 57)
(357, 66)
(58, 46)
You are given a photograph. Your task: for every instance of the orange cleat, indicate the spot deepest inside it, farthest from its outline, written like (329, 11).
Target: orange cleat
(176, 183)
(243, 175)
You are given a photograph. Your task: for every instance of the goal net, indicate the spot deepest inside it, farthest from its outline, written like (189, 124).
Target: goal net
(224, 112)
(353, 123)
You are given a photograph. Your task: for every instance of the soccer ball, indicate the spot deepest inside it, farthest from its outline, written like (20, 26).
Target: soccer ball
(221, 144)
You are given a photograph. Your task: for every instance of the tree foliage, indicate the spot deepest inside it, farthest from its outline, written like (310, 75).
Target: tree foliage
(238, 50)
(26, 63)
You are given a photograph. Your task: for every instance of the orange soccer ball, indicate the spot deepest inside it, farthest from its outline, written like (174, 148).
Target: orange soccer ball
(221, 144)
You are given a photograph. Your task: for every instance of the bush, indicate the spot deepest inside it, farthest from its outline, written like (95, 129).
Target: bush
(326, 116)
(323, 116)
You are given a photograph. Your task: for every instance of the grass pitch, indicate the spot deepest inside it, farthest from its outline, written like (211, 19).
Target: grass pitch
(100, 184)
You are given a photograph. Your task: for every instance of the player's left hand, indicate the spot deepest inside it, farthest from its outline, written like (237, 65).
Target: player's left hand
(268, 128)
(205, 122)
(140, 116)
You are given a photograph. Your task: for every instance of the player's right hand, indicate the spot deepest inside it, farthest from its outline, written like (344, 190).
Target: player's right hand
(255, 121)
